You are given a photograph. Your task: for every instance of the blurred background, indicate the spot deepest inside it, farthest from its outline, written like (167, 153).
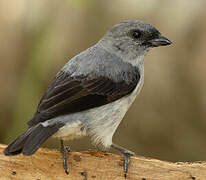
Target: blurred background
(168, 119)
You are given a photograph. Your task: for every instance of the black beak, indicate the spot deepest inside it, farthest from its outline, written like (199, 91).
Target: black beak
(159, 41)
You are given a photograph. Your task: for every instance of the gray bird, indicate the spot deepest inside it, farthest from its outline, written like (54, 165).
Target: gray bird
(92, 92)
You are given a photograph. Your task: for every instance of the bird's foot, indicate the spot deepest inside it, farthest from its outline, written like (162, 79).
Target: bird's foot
(127, 155)
(65, 152)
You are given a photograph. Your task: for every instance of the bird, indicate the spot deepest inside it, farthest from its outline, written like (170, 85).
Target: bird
(91, 94)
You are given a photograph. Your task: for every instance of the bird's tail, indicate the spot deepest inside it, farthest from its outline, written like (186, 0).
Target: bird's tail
(29, 142)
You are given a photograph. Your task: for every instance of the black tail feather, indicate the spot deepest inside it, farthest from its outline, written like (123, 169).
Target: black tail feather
(29, 142)
(16, 146)
(38, 137)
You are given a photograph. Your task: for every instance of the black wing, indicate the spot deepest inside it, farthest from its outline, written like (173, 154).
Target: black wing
(74, 94)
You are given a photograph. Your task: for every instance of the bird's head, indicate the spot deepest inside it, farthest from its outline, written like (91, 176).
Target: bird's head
(133, 38)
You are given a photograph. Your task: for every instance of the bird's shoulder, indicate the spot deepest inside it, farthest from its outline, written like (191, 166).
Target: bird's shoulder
(99, 61)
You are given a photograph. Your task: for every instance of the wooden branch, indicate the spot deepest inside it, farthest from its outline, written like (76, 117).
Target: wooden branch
(47, 165)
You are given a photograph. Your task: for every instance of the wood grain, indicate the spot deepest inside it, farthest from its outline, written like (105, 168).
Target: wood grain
(46, 164)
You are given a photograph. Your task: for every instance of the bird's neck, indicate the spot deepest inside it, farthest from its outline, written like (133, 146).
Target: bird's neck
(134, 58)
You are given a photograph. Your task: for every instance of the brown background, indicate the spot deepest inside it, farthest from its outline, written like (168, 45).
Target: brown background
(167, 120)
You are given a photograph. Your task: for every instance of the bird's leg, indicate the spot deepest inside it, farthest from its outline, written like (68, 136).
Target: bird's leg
(64, 151)
(127, 155)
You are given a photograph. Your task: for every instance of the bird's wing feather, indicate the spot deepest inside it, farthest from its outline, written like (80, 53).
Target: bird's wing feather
(68, 95)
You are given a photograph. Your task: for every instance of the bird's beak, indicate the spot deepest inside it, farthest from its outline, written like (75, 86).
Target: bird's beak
(159, 41)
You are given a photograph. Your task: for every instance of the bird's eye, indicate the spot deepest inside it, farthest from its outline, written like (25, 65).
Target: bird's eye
(136, 34)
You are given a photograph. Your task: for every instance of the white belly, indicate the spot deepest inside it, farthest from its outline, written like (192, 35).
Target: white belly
(107, 118)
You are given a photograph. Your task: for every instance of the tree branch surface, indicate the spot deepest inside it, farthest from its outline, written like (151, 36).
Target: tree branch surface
(46, 164)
